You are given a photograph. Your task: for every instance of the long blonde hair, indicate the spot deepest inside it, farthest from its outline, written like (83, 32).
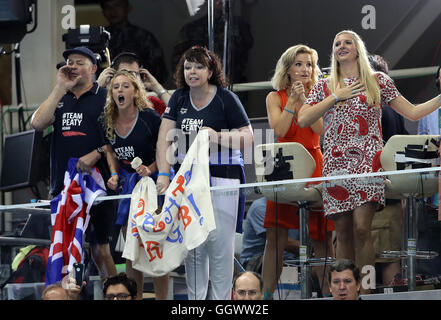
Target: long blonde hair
(367, 74)
(110, 113)
(281, 80)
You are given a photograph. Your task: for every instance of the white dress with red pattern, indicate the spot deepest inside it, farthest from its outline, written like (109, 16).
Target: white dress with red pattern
(352, 145)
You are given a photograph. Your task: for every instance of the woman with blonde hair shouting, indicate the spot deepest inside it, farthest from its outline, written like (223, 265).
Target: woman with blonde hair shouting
(131, 126)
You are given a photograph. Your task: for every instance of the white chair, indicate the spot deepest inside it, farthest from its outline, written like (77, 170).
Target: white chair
(417, 184)
(407, 152)
(287, 161)
(301, 165)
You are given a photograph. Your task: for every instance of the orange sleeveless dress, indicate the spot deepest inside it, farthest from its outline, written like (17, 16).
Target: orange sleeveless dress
(287, 216)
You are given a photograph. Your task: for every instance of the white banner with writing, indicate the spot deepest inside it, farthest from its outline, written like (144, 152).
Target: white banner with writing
(158, 243)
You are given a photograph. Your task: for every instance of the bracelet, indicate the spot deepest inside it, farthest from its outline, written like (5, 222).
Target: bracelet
(114, 174)
(164, 174)
(289, 111)
(439, 97)
(162, 92)
(335, 96)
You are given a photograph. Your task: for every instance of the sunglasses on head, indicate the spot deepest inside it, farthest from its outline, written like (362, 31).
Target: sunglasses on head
(205, 50)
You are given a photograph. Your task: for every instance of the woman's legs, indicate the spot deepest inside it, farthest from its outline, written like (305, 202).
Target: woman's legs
(354, 236)
(363, 245)
(275, 245)
(214, 259)
(160, 284)
(134, 274)
(221, 241)
(196, 273)
(345, 237)
(103, 260)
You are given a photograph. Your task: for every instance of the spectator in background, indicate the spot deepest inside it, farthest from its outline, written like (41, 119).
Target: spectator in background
(392, 123)
(344, 280)
(430, 123)
(196, 33)
(248, 285)
(428, 224)
(130, 61)
(66, 290)
(254, 238)
(128, 37)
(386, 225)
(120, 287)
(54, 292)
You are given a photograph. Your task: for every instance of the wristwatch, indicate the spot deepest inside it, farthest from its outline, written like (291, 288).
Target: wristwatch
(101, 151)
(162, 92)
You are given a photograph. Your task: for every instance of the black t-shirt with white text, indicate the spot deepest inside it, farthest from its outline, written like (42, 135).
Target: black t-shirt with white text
(140, 141)
(77, 131)
(224, 111)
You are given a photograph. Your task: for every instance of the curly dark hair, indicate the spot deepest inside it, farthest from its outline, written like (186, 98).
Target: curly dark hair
(121, 278)
(205, 57)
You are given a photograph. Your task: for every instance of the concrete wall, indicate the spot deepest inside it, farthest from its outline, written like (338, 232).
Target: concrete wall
(41, 51)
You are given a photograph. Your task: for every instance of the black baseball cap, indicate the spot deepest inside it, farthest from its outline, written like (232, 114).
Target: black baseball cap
(80, 50)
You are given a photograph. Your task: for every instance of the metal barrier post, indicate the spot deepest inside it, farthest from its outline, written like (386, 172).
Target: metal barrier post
(411, 243)
(304, 252)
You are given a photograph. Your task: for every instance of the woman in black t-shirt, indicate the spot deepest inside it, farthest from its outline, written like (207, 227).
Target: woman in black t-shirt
(131, 126)
(202, 102)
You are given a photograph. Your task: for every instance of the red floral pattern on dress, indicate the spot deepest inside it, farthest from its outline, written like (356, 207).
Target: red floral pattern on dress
(352, 144)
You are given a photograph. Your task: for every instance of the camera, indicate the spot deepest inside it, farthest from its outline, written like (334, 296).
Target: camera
(143, 77)
(282, 168)
(95, 38)
(78, 271)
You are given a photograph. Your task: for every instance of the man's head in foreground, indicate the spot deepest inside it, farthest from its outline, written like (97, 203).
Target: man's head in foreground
(344, 280)
(248, 285)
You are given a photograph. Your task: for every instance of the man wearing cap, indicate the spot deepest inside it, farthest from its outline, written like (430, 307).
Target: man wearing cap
(73, 108)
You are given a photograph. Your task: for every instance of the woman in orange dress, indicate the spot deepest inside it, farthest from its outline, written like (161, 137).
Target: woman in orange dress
(296, 72)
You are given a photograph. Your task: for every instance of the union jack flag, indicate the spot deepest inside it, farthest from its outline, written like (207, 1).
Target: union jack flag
(70, 218)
